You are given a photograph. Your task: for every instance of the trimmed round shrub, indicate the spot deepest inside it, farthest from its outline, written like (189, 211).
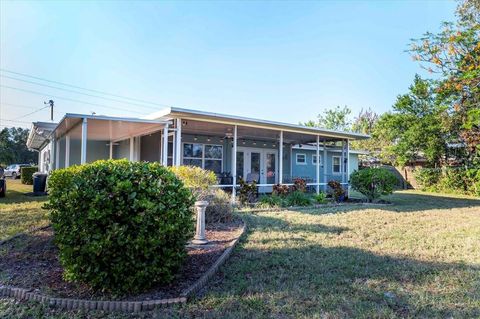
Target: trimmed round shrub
(373, 182)
(120, 226)
(27, 174)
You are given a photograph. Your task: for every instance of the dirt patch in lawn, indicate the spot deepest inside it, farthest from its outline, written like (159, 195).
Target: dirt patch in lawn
(31, 261)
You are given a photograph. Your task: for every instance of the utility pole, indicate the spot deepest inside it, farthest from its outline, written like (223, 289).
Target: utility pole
(51, 103)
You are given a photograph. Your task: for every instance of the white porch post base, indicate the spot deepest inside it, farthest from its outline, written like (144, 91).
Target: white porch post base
(200, 238)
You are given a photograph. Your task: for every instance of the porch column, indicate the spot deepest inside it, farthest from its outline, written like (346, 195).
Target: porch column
(343, 161)
(318, 165)
(57, 153)
(67, 150)
(132, 146)
(280, 163)
(83, 152)
(234, 164)
(111, 149)
(324, 162)
(347, 163)
(178, 142)
(165, 146)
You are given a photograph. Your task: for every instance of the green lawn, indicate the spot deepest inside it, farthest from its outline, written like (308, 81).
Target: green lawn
(417, 258)
(19, 212)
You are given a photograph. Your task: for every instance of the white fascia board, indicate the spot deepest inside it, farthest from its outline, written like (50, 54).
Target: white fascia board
(176, 112)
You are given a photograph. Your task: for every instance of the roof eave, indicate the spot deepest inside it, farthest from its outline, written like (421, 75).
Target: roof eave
(176, 112)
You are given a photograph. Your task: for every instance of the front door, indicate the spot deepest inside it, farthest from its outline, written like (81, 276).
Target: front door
(258, 164)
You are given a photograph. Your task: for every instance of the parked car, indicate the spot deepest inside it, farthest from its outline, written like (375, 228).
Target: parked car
(13, 170)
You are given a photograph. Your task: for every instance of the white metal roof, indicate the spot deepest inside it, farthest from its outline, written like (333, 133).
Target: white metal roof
(40, 134)
(101, 127)
(176, 112)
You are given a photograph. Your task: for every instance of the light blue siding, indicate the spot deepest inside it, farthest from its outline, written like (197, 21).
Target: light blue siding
(308, 170)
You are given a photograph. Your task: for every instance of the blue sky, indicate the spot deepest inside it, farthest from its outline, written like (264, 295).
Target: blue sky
(284, 61)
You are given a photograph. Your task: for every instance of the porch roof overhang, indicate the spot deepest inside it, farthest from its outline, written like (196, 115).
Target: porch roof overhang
(40, 134)
(109, 128)
(188, 114)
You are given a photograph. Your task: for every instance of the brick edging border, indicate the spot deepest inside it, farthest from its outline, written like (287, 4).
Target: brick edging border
(123, 306)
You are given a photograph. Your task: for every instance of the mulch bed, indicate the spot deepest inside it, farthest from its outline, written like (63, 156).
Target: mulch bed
(31, 261)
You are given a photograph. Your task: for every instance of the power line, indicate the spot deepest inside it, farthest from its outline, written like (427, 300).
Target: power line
(71, 100)
(85, 89)
(22, 116)
(16, 121)
(25, 106)
(77, 92)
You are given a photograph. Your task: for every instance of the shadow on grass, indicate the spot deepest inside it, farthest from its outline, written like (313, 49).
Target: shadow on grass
(315, 281)
(264, 223)
(18, 197)
(403, 202)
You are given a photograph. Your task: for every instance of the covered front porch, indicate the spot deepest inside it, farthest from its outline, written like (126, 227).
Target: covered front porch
(234, 148)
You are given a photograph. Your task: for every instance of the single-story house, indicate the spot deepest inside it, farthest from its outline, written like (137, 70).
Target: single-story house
(266, 152)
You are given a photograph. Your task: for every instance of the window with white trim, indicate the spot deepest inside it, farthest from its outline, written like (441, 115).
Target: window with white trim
(314, 160)
(336, 164)
(301, 159)
(206, 156)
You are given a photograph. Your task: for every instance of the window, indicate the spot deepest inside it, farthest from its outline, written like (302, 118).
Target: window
(301, 159)
(213, 158)
(314, 160)
(336, 164)
(203, 155)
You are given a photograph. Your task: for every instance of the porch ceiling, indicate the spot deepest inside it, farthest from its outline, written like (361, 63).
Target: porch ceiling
(100, 128)
(195, 127)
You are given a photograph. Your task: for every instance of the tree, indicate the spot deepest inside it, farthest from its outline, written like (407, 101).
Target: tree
(454, 54)
(373, 182)
(416, 128)
(333, 119)
(365, 123)
(13, 148)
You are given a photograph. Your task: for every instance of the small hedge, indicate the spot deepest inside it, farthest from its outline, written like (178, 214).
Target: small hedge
(219, 209)
(373, 182)
(27, 174)
(196, 179)
(120, 226)
(458, 180)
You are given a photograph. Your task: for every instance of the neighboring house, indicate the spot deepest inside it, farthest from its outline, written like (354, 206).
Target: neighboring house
(177, 136)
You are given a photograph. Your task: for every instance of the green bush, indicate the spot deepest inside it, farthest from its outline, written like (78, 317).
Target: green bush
(197, 179)
(457, 180)
(27, 174)
(270, 201)
(320, 198)
(427, 177)
(373, 182)
(120, 226)
(298, 198)
(219, 209)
